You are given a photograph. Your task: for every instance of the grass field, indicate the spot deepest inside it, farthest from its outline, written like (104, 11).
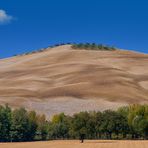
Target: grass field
(77, 144)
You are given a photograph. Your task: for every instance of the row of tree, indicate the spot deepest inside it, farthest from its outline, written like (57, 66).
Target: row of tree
(92, 46)
(21, 125)
(86, 46)
(126, 123)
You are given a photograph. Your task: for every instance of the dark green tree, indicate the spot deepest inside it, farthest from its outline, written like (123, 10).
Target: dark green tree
(79, 125)
(5, 123)
(32, 126)
(19, 128)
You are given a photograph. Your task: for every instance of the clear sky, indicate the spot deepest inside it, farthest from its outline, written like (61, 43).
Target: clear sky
(27, 25)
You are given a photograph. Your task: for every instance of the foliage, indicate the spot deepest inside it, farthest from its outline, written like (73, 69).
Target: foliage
(92, 46)
(5, 123)
(22, 125)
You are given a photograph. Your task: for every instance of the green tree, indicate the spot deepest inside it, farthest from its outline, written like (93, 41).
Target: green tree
(19, 127)
(79, 125)
(138, 120)
(42, 130)
(113, 122)
(32, 125)
(5, 123)
(60, 126)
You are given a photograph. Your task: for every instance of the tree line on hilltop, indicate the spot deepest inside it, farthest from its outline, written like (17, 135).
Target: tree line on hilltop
(129, 122)
(86, 46)
(92, 46)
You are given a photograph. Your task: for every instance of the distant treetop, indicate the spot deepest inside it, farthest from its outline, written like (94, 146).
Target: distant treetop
(93, 46)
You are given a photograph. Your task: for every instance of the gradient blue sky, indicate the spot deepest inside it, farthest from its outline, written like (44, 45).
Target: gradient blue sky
(35, 24)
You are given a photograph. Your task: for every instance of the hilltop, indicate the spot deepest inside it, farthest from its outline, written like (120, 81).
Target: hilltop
(63, 79)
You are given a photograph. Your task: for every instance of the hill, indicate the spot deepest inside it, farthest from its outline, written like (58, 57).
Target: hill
(63, 79)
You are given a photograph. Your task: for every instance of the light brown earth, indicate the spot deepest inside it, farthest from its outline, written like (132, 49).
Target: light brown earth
(77, 144)
(62, 79)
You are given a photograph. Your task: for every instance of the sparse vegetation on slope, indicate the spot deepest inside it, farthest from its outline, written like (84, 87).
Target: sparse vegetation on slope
(125, 123)
(43, 49)
(87, 46)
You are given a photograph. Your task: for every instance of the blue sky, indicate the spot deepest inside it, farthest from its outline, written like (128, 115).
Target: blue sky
(26, 25)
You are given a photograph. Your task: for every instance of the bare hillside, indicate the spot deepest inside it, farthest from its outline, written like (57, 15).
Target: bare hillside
(62, 79)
